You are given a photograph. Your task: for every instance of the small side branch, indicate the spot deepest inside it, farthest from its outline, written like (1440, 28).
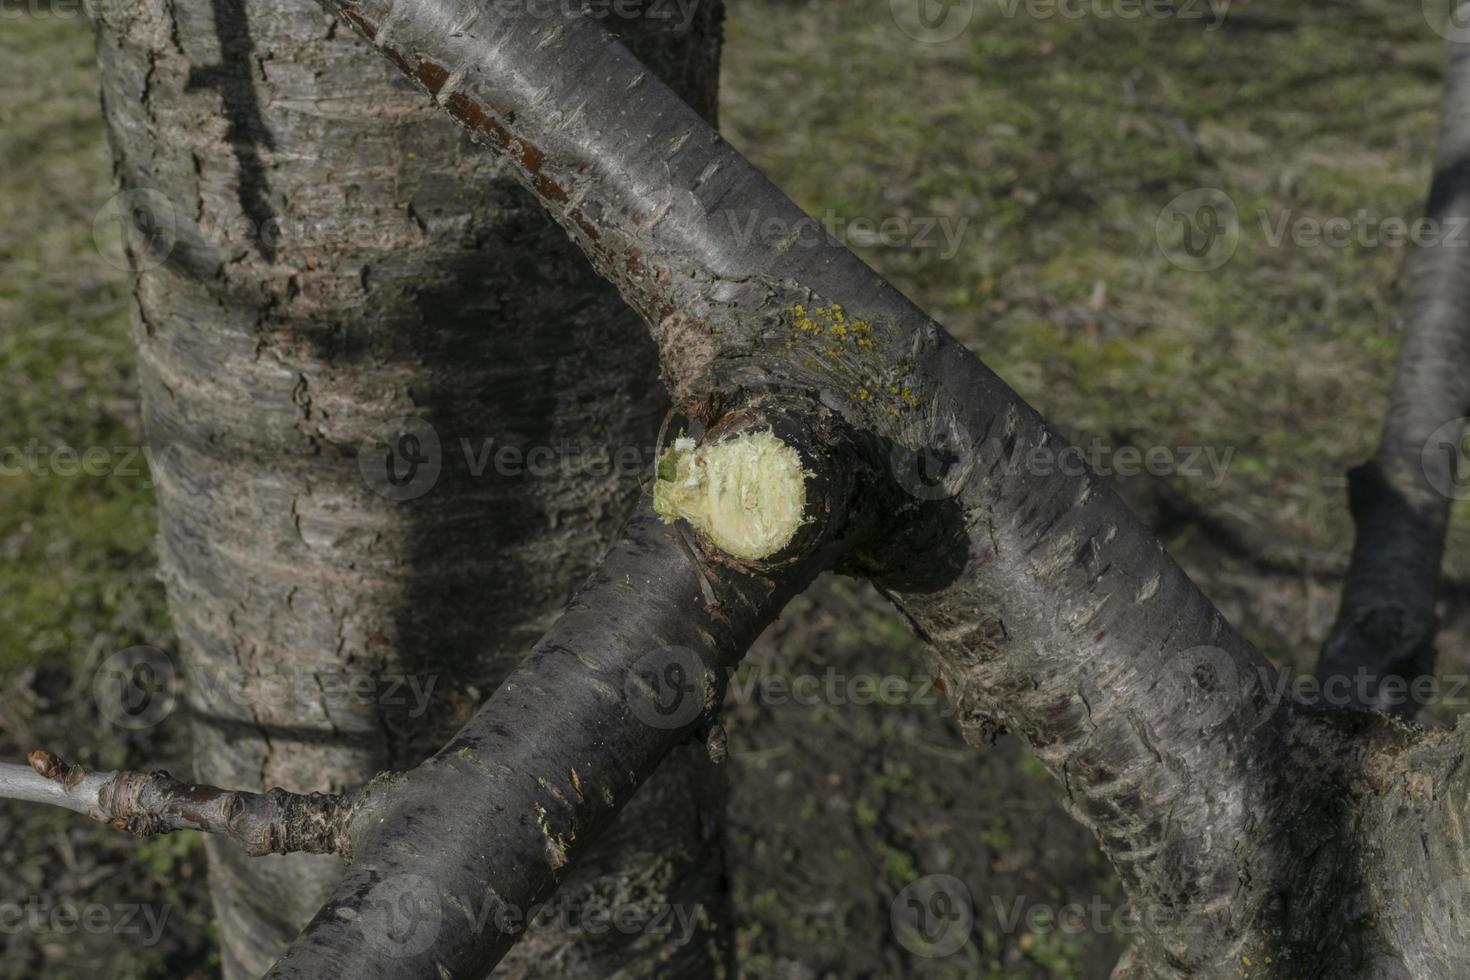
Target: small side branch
(147, 803)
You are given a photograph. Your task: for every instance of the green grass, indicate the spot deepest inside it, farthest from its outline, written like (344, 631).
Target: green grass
(75, 550)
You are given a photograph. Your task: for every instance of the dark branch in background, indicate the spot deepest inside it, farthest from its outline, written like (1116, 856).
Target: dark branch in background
(146, 803)
(1383, 639)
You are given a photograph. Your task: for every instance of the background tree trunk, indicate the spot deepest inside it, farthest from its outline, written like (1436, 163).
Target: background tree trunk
(285, 353)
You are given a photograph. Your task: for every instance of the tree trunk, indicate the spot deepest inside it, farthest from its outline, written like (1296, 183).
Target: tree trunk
(395, 418)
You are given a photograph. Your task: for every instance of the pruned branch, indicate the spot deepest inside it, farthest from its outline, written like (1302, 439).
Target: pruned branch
(478, 835)
(637, 665)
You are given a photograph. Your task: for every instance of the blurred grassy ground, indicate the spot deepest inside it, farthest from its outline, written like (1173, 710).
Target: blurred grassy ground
(76, 552)
(1059, 142)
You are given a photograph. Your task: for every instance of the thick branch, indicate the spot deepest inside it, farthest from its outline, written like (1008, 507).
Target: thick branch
(1401, 498)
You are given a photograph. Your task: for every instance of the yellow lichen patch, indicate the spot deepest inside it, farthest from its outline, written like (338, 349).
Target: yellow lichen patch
(832, 320)
(846, 346)
(746, 493)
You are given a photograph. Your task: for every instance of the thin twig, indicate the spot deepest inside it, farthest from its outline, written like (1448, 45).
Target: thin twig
(147, 803)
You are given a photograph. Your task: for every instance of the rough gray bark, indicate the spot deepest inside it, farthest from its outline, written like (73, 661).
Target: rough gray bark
(1252, 832)
(328, 257)
(1400, 499)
